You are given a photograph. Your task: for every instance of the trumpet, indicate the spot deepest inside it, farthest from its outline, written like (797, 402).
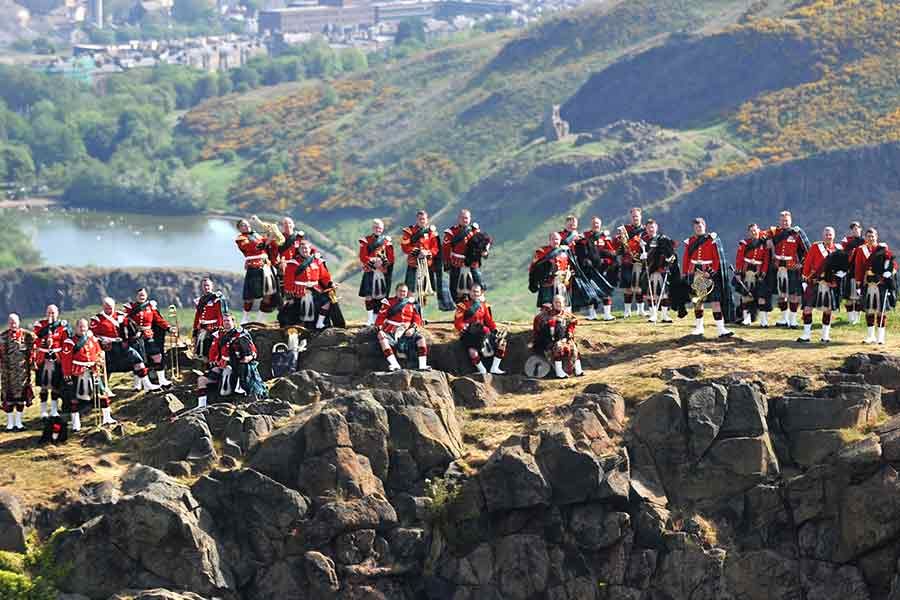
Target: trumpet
(270, 230)
(174, 359)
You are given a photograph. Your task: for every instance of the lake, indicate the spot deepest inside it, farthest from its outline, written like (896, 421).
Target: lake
(81, 238)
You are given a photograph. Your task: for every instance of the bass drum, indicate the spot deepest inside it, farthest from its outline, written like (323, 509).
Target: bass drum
(537, 367)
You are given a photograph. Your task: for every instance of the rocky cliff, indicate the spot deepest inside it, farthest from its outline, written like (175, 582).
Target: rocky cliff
(29, 291)
(347, 485)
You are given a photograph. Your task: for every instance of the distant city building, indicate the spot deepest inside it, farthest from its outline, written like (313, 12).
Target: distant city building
(95, 13)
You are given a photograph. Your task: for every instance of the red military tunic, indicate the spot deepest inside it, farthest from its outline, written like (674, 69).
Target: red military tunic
(862, 262)
(814, 262)
(48, 339)
(108, 328)
(548, 319)
(454, 253)
(481, 315)
(416, 238)
(570, 238)
(635, 234)
(402, 318)
(595, 242)
(314, 276)
(210, 312)
(279, 254)
(368, 250)
(704, 257)
(788, 250)
(226, 343)
(560, 260)
(255, 249)
(76, 360)
(144, 317)
(753, 259)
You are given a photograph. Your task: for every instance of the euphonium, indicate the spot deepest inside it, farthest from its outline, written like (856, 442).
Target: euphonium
(702, 286)
(270, 230)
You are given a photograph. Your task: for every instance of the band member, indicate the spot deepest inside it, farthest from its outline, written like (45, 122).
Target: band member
(81, 359)
(280, 253)
(399, 326)
(147, 330)
(788, 245)
(704, 262)
(596, 253)
(109, 328)
(307, 283)
(16, 365)
(259, 281)
(853, 240)
(376, 253)
(822, 287)
(553, 334)
(208, 317)
(455, 251)
(475, 323)
(550, 273)
(658, 256)
(421, 245)
(569, 235)
(751, 273)
(873, 268)
(233, 366)
(631, 267)
(49, 334)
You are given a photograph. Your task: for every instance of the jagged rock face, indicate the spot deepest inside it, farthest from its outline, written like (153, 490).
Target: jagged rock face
(29, 291)
(12, 529)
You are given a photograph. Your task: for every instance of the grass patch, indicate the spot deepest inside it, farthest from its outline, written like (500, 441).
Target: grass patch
(217, 177)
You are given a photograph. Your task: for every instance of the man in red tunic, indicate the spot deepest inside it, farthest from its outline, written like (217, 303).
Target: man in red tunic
(569, 235)
(211, 307)
(399, 326)
(307, 283)
(631, 269)
(16, 365)
(260, 284)
(550, 273)
(873, 268)
(421, 241)
(147, 328)
(455, 245)
(850, 242)
(232, 366)
(788, 245)
(596, 252)
(49, 334)
(109, 327)
(81, 358)
(821, 287)
(475, 323)
(553, 334)
(376, 255)
(701, 255)
(752, 268)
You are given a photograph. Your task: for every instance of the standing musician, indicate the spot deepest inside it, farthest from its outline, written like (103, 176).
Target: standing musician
(853, 240)
(630, 270)
(259, 281)
(455, 249)
(788, 244)
(398, 329)
(208, 317)
(279, 253)
(569, 235)
(475, 323)
(822, 287)
(873, 268)
(704, 262)
(550, 273)
(81, 359)
(109, 328)
(147, 329)
(307, 283)
(233, 367)
(596, 253)
(16, 365)
(553, 334)
(49, 334)
(376, 254)
(422, 248)
(658, 256)
(751, 274)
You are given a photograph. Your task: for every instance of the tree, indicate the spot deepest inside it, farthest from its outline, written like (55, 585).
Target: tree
(329, 96)
(352, 60)
(410, 30)
(206, 87)
(19, 167)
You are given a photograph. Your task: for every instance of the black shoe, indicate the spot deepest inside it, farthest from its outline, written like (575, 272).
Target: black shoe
(727, 334)
(801, 340)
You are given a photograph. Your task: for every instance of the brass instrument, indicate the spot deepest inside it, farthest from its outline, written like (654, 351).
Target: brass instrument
(702, 286)
(270, 230)
(174, 358)
(624, 239)
(332, 294)
(423, 279)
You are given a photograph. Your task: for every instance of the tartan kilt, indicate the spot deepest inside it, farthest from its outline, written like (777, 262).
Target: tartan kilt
(253, 284)
(368, 279)
(50, 374)
(828, 300)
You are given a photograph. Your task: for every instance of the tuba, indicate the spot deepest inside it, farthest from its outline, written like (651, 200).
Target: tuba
(270, 230)
(701, 287)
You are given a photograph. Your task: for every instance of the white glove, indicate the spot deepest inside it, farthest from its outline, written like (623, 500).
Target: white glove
(841, 274)
(888, 274)
(643, 256)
